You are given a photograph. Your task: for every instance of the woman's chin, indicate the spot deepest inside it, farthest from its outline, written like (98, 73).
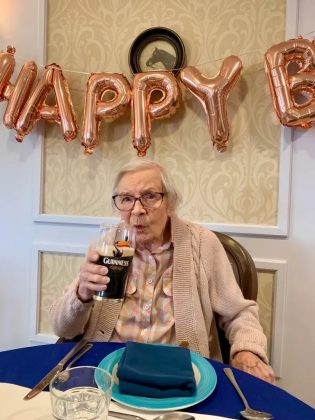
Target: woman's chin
(142, 239)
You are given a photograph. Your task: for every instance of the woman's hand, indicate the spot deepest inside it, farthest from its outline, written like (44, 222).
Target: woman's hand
(250, 363)
(92, 277)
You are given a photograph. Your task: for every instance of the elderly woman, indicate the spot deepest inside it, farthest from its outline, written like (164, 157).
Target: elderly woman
(180, 276)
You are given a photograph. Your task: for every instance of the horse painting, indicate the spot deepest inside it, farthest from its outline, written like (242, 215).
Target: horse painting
(163, 57)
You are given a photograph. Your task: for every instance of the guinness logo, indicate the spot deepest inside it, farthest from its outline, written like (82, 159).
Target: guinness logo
(111, 261)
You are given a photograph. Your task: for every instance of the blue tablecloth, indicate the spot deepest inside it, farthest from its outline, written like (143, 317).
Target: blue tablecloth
(26, 366)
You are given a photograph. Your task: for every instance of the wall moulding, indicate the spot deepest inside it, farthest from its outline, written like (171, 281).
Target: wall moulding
(277, 267)
(38, 249)
(279, 229)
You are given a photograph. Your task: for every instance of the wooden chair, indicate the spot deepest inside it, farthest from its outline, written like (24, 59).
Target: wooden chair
(246, 275)
(69, 340)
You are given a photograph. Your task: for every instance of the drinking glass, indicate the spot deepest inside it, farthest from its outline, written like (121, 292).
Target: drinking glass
(84, 393)
(116, 247)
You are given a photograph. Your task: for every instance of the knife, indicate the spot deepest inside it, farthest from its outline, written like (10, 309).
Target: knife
(46, 379)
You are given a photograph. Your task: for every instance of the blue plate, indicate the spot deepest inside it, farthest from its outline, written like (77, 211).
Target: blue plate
(205, 375)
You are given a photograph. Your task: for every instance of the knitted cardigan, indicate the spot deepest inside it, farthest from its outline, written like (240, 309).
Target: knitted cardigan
(203, 284)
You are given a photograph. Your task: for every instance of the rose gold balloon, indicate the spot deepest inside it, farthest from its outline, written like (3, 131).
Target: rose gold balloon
(213, 93)
(64, 105)
(143, 111)
(18, 94)
(96, 108)
(7, 64)
(284, 86)
(36, 108)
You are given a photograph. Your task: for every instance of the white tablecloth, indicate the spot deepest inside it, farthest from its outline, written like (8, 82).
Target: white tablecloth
(13, 407)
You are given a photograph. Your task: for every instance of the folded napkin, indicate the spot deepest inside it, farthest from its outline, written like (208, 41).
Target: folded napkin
(156, 371)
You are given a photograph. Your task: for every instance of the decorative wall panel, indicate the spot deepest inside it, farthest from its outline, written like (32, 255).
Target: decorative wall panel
(58, 270)
(238, 186)
(265, 300)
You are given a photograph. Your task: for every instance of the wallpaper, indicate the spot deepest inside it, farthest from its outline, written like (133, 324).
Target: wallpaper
(58, 270)
(265, 299)
(237, 186)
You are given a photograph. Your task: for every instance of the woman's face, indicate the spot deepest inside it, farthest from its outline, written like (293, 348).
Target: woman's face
(150, 225)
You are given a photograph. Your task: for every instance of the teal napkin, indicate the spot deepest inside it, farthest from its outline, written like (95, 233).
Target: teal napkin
(156, 371)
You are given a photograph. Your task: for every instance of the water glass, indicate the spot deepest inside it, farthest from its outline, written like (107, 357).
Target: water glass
(83, 393)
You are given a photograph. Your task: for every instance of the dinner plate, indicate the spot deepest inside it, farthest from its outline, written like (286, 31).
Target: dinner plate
(205, 376)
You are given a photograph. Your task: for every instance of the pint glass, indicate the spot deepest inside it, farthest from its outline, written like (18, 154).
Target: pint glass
(116, 247)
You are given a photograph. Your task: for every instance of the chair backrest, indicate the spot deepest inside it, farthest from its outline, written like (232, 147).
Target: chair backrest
(246, 275)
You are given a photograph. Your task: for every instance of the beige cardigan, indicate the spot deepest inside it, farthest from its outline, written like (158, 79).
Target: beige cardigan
(203, 283)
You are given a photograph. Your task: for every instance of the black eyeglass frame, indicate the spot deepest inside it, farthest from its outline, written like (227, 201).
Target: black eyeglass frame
(138, 199)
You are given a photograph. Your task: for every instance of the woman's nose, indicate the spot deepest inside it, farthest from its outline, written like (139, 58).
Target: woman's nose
(138, 208)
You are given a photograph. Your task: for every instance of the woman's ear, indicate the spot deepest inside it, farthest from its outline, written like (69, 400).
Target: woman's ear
(171, 209)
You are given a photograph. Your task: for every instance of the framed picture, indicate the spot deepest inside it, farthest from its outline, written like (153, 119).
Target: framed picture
(158, 49)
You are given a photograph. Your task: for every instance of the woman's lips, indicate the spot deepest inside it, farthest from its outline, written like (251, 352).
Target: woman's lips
(139, 227)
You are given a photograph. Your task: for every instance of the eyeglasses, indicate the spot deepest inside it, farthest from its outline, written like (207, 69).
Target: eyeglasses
(149, 200)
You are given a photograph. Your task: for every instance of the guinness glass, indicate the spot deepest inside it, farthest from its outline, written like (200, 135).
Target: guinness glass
(116, 248)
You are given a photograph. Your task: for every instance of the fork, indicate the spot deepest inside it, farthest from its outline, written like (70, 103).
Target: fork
(64, 375)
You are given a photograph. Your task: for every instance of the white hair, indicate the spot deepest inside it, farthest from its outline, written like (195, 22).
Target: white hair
(169, 188)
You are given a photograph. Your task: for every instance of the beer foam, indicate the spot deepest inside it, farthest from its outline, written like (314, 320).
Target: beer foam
(110, 251)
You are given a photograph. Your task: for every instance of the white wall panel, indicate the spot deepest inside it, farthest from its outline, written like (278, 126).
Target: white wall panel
(19, 27)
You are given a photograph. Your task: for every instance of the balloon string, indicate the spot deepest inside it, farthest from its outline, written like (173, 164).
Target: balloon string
(242, 54)
(65, 70)
(309, 33)
(199, 65)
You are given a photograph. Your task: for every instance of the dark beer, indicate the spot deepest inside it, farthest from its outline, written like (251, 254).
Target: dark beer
(118, 265)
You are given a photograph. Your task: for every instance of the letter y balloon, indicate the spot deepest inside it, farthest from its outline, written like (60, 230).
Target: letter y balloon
(116, 247)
